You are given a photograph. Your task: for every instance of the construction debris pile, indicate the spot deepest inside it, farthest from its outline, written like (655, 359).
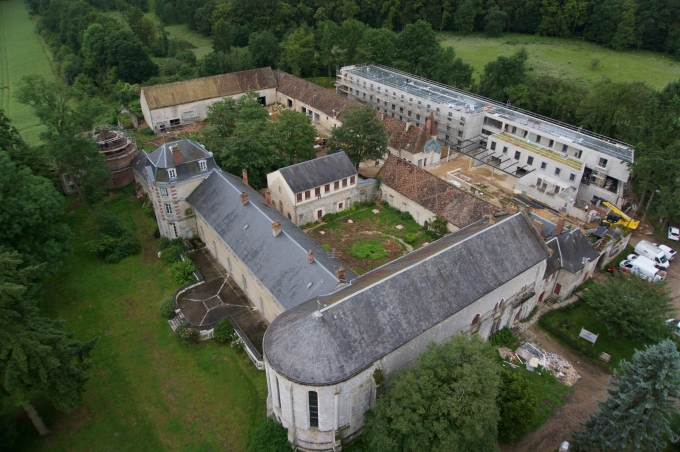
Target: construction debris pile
(532, 357)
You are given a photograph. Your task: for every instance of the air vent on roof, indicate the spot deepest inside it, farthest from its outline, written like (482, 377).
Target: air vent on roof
(245, 227)
(309, 285)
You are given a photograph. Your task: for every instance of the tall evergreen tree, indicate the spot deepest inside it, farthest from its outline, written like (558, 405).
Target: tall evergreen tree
(634, 417)
(37, 356)
(362, 136)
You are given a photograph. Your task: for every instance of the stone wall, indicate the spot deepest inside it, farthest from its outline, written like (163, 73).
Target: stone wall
(403, 203)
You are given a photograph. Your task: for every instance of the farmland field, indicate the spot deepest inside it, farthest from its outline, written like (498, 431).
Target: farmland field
(21, 53)
(568, 58)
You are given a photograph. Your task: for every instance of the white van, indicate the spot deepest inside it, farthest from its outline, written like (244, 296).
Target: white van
(642, 269)
(667, 250)
(651, 252)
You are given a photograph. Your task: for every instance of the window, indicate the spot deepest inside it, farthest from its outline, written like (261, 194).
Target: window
(327, 188)
(530, 160)
(401, 109)
(578, 154)
(544, 165)
(164, 191)
(339, 206)
(505, 149)
(344, 182)
(550, 143)
(174, 229)
(565, 147)
(450, 114)
(517, 155)
(420, 103)
(394, 107)
(352, 180)
(447, 137)
(410, 99)
(290, 102)
(168, 208)
(538, 138)
(386, 103)
(418, 116)
(202, 165)
(336, 185)
(378, 88)
(514, 129)
(460, 133)
(378, 100)
(409, 113)
(557, 171)
(493, 145)
(313, 409)
(71, 187)
(317, 192)
(172, 173)
(371, 98)
(428, 105)
(174, 122)
(299, 197)
(448, 128)
(437, 109)
(245, 282)
(308, 194)
(67, 177)
(402, 96)
(364, 94)
(602, 163)
(572, 177)
(526, 133)
(475, 323)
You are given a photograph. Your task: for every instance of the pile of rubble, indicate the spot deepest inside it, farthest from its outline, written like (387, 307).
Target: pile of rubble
(532, 357)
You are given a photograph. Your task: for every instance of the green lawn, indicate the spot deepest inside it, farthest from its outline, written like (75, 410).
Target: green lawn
(583, 316)
(147, 392)
(21, 53)
(570, 58)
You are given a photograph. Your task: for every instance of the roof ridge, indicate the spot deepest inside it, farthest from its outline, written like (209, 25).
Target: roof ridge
(313, 160)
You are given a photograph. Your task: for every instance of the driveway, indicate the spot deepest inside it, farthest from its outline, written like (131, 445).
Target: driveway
(673, 277)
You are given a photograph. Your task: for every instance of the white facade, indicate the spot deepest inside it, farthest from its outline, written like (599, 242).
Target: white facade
(315, 115)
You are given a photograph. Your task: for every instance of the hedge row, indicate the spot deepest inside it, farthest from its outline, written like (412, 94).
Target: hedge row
(563, 337)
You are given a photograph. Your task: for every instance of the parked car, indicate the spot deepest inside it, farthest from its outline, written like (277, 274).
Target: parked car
(643, 269)
(674, 233)
(653, 253)
(668, 251)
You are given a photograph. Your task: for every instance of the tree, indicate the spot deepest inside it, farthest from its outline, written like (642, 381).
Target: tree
(221, 37)
(264, 47)
(465, 16)
(635, 415)
(127, 54)
(294, 135)
(625, 32)
(19, 152)
(30, 214)
(451, 70)
(362, 135)
(327, 37)
(517, 404)
(377, 45)
(603, 21)
(37, 356)
(222, 116)
(298, 50)
(494, 22)
(446, 401)
(501, 75)
(351, 32)
(417, 46)
(631, 307)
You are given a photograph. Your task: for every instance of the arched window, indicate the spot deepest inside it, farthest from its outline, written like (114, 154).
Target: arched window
(475, 321)
(501, 305)
(495, 308)
(313, 409)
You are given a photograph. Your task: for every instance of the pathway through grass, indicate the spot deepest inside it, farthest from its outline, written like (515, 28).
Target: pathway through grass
(569, 58)
(147, 391)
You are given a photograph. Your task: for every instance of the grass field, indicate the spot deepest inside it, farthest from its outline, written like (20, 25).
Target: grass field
(147, 392)
(21, 53)
(570, 58)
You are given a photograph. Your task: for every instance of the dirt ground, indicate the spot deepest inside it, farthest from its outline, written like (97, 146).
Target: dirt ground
(580, 402)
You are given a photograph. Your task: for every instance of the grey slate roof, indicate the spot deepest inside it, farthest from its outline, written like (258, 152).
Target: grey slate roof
(317, 172)
(386, 308)
(156, 163)
(570, 249)
(279, 263)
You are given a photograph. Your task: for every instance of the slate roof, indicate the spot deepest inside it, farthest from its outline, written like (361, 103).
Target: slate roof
(570, 249)
(386, 308)
(458, 207)
(155, 164)
(318, 98)
(159, 96)
(317, 172)
(279, 263)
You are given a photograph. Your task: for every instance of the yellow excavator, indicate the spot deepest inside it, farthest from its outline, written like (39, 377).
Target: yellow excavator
(617, 217)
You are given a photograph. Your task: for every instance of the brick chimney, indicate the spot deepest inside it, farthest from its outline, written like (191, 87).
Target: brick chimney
(244, 198)
(340, 273)
(527, 210)
(538, 225)
(276, 228)
(245, 176)
(560, 224)
(268, 197)
(176, 154)
(492, 219)
(310, 256)
(408, 125)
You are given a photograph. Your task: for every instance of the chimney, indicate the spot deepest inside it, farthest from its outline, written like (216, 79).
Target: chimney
(310, 256)
(509, 210)
(527, 210)
(176, 154)
(340, 273)
(560, 224)
(244, 198)
(268, 197)
(276, 228)
(245, 176)
(382, 116)
(492, 219)
(408, 125)
(538, 225)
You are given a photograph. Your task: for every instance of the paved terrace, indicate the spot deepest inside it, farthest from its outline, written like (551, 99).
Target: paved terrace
(219, 297)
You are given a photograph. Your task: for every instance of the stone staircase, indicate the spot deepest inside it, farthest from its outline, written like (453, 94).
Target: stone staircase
(177, 320)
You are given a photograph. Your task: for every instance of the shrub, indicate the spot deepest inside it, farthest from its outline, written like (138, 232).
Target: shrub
(113, 242)
(503, 337)
(406, 216)
(269, 436)
(166, 307)
(163, 242)
(439, 226)
(171, 255)
(368, 249)
(182, 272)
(517, 405)
(148, 209)
(410, 238)
(564, 338)
(188, 335)
(224, 331)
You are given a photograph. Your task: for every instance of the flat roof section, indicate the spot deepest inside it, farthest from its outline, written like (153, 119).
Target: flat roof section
(540, 150)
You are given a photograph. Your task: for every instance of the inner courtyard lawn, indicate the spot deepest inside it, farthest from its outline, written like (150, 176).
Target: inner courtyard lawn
(147, 391)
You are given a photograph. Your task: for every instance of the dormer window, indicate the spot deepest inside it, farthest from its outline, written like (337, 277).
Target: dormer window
(172, 173)
(203, 165)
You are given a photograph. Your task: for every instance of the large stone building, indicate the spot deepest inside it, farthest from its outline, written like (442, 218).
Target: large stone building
(168, 176)
(559, 164)
(307, 191)
(425, 196)
(180, 103)
(322, 355)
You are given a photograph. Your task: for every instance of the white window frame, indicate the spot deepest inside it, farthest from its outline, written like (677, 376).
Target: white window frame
(168, 208)
(164, 191)
(172, 173)
(202, 165)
